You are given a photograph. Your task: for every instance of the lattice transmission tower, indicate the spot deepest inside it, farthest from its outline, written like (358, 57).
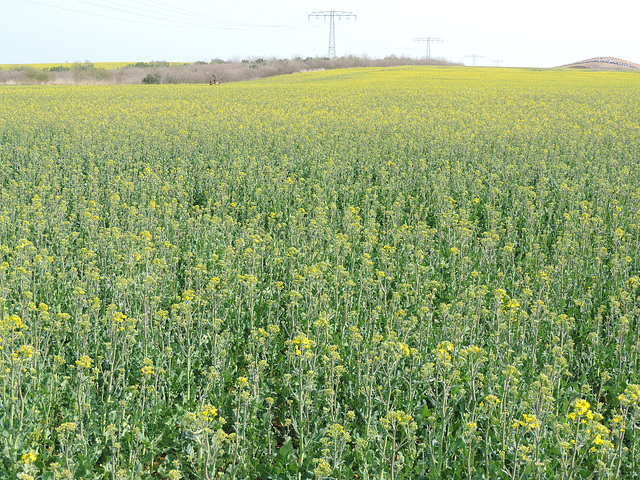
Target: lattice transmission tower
(332, 15)
(428, 41)
(474, 56)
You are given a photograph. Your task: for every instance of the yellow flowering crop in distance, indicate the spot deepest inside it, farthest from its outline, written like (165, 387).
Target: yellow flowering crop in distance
(47, 66)
(417, 272)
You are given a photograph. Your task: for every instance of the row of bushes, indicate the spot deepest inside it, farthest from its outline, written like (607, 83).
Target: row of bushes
(199, 72)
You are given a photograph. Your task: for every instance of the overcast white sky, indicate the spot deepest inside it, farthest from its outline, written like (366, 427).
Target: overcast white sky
(542, 33)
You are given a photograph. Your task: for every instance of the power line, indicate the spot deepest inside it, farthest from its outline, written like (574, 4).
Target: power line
(186, 17)
(178, 10)
(179, 18)
(332, 14)
(429, 41)
(179, 15)
(375, 43)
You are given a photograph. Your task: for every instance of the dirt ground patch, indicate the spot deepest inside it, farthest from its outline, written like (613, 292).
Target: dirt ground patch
(603, 63)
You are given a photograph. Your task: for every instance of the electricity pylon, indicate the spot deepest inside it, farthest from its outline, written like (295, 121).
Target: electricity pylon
(332, 14)
(497, 62)
(474, 56)
(428, 40)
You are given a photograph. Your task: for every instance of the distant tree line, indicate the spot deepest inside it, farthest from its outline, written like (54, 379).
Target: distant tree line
(163, 72)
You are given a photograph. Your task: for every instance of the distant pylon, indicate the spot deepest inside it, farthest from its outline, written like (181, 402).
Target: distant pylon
(474, 56)
(332, 14)
(428, 40)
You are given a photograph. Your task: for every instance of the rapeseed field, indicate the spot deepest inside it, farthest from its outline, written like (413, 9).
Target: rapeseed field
(403, 273)
(54, 66)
